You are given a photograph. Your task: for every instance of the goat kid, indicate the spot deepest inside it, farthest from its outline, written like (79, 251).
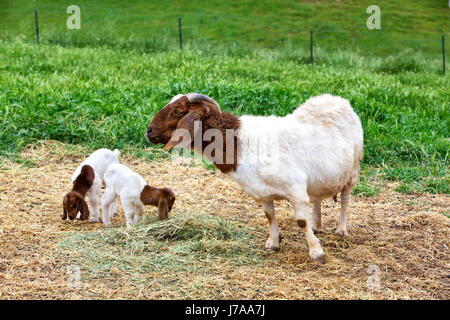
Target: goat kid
(134, 193)
(318, 150)
(88, 178)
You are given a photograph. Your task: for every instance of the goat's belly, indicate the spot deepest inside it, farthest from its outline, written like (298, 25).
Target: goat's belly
(262, 192)
(264, 195)
(257, 188)
(319, 190)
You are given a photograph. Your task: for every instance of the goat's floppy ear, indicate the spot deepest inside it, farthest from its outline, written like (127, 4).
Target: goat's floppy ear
(163, 209)
(64, 215)
(83, 208)
(185, 126)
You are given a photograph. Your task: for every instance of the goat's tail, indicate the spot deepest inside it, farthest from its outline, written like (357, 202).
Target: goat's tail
(116, 152)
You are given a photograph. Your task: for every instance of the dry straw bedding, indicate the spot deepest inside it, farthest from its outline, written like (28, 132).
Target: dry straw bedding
(406, 237)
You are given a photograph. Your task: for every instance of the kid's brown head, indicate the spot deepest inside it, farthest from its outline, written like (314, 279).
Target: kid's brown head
(169, 196)
(180, 113)
(73, 201)
(163, 198)
(72, 204)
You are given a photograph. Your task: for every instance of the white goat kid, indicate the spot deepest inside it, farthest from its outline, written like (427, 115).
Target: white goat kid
(134, 193)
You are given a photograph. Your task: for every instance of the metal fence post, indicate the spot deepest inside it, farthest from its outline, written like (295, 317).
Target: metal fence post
(37, 25)
(443, 55)
(179, 32)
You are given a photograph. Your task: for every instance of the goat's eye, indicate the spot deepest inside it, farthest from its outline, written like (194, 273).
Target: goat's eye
(178, 113)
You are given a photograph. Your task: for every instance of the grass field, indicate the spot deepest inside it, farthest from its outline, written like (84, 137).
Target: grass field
(153, 25)
(79, 91)
(104, 97)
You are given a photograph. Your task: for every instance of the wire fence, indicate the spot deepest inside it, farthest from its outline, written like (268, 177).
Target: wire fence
(126, 26)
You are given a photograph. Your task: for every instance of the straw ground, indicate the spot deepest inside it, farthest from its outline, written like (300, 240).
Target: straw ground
(211, 246)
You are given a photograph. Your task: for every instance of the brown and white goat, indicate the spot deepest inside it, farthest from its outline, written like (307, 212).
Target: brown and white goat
(88, 178)
(304, 157)
(134, 193)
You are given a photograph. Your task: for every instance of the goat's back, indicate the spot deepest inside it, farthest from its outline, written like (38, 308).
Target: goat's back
(124, 181)
(332, 114)
(99, 160)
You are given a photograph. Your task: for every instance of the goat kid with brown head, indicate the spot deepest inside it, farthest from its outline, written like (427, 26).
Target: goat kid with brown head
(134, 193)
(88, 179)
(74, 200)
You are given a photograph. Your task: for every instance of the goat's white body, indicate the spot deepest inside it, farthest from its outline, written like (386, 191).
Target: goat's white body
(99, 160)
(314, 153)
(319, 146)
(123, 182)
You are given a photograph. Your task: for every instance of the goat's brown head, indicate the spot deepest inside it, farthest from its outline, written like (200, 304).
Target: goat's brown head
(169, 196)
(73, 203)
(163, 198)
(181, 113)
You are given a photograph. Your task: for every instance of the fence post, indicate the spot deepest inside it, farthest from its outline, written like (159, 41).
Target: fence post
(443, 55)
(179, 32)
(37, 25)
(311, 46)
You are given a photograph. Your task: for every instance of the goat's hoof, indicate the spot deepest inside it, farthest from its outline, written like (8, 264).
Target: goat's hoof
(317, 254)
(341, 233)
(271, 246)
(315, 230)
(321, 259)
(94, 220)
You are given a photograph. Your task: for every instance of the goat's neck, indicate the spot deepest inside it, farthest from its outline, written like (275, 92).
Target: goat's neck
(223, 122)
(81, 185)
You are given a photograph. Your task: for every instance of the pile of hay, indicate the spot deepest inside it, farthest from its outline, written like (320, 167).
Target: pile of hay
(186, 242)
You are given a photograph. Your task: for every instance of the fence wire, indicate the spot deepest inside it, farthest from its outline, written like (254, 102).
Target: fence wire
(123, 25)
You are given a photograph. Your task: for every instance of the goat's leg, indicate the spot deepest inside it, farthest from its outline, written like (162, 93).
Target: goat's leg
(301, 207)
(94, 195)
(130, 212)
(107, 201)
(345, 198)
(139, 211)
(316, 217)
(113, 209)
(273, 243)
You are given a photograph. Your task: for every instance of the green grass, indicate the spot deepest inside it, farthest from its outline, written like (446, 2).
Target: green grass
(186, 243)
(99, 97)
(153, 25)
(368, 185)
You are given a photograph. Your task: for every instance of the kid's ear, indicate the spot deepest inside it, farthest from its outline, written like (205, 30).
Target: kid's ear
(83, 208)
(186, 131)
(163, 209)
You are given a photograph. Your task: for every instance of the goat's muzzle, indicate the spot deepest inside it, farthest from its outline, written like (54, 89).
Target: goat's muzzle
(156, 137)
